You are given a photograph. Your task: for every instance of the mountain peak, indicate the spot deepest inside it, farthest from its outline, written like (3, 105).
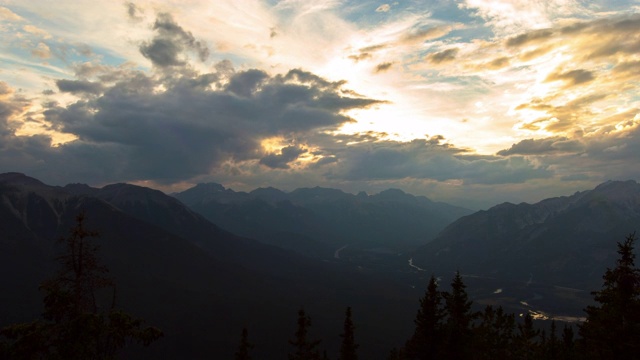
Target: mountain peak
(19, 179)
(616, 185)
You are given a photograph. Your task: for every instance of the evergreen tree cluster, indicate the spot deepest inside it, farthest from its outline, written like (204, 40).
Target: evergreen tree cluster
(446, 327)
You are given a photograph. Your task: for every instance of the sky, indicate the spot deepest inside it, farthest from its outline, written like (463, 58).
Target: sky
(471, 102)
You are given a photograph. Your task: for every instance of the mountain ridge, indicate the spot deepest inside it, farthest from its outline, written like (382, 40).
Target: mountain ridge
(325, 219)
(556, 239)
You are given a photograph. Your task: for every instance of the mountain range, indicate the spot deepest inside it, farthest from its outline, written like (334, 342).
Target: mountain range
(197, 282)
(317, 221)
(559, 248)
(203, 263)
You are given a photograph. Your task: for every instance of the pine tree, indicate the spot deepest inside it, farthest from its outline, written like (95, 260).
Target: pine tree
(552, 351)
(427, 336)
(612, 328)
(396, 354)
(244, 346)
(567, 350)
(459, 319)
(349, 347)
(74, 326)
(493, 337)
(525, 342)
(304, 349)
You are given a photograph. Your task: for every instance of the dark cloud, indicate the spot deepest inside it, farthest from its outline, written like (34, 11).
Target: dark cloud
(162, 52)
(170, 42)
(79, 86)
(247, 83)
(130, 131)
(443, 56)
(383, 67)
(425, 159)
(542, 146)
(282, 160)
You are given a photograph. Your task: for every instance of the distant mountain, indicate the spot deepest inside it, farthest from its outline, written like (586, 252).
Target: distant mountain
(317, 221)
(564, 241)
(199, 283)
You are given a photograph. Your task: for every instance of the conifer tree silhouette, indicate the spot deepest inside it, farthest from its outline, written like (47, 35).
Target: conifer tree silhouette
(348, 349)
(612, 328)
(73, 325)
(304, 349)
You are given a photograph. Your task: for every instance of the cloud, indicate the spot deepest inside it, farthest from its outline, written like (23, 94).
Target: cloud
(565, 117)
(507, 16)
(9, 15)
(171, 40)
(383, 67)
(421, 34)
(443, 56)
(282, 160)
(128, 130)
(78, 86)
(383, 8)
(573, 77)
(41, 51)
(36, 31)
(133, 11)
(529, 38)
(428, 159)
(543, 146)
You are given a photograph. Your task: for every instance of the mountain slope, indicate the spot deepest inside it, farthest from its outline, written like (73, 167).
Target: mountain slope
(567, 241)
(200, 284)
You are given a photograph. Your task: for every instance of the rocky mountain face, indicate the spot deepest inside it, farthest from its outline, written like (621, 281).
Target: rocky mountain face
(317, 221)
(564, 241)
(180, 272)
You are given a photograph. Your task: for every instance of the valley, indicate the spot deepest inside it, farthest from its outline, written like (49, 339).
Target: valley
(197, 280)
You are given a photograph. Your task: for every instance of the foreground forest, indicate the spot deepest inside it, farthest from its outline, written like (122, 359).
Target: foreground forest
(81, 320)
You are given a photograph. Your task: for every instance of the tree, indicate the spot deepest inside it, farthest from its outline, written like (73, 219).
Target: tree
(553, 344)
(244, 347)
(304, 349)
(74, 326)
(396, 354)
(567, 350)
(525, 341)
(612, 328)
(457, 327)
(427, 336)
(493, 337)
(349, 347)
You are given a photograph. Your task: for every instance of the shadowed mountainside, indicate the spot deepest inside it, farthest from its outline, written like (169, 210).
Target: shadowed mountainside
(199, 283)
(565, 241)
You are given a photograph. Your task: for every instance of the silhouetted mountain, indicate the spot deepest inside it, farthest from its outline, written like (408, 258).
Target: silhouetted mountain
(317, 221)
(175, 269)
(566, 241)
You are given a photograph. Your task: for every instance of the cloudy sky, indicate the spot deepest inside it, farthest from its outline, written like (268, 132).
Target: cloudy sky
(471, 102)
